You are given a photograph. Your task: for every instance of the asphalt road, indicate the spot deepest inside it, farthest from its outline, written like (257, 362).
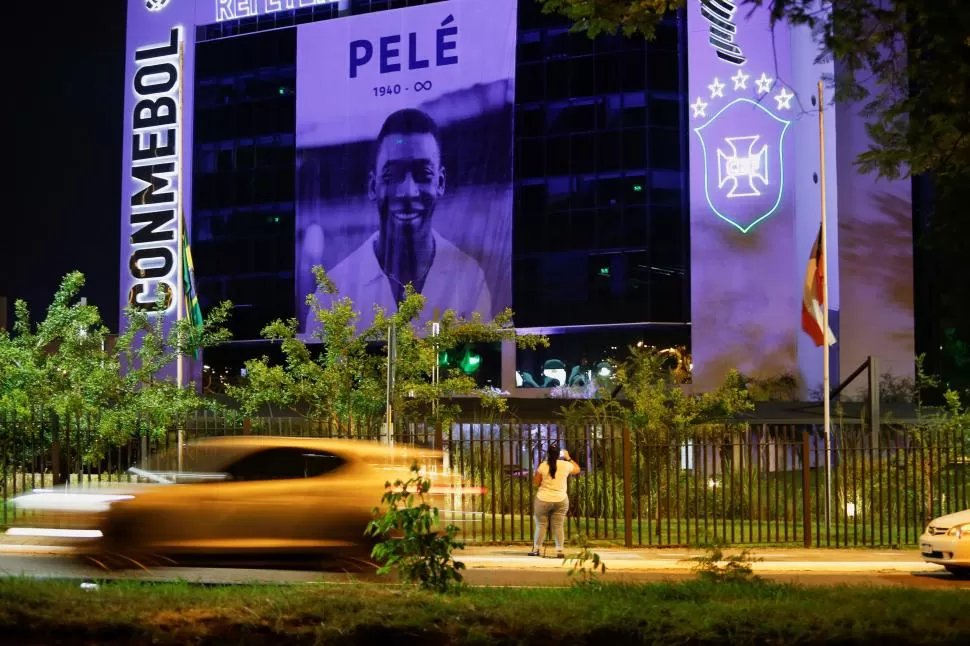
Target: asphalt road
(511, 572)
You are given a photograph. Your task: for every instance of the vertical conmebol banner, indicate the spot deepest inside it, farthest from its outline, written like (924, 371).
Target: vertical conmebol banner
(157, 161)
(744, 292)
(404, 154)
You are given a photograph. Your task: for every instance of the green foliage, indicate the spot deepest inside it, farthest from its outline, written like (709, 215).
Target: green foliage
(67, 366)
(346, 381)
(422, 553)
(628, 17)
(587, 565)
(714, 567)
(656, 404)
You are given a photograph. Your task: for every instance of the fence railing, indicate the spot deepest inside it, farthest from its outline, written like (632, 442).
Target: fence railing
(758, 484)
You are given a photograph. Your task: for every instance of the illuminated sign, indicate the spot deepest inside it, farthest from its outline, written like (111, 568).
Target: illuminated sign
(743, 151)
(235, 9)
(154, 160)
(723, 29)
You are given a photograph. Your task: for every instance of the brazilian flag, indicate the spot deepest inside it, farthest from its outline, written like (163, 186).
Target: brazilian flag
(190, 297)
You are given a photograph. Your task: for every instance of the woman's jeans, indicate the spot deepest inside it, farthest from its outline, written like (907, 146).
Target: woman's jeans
(554, 512)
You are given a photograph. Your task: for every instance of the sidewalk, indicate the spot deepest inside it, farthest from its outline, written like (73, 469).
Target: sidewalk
(768, 559)
(515, 557)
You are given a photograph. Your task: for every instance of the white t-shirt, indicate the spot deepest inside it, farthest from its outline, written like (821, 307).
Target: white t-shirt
(554, 489)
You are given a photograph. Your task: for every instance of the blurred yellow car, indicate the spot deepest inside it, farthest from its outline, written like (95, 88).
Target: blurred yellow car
(242, 496)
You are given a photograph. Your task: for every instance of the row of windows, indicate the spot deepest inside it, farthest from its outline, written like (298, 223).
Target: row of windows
(599, 152)
(248, 255)
(595, 288)
(598, 229)
(245, 154)
(268, 221)
(579, 77)
(659, 188)
(558, 42)
(244, 188)
(246, 86)
(607, 112)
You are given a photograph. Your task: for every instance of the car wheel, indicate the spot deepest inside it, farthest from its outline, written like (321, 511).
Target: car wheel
(958, 571)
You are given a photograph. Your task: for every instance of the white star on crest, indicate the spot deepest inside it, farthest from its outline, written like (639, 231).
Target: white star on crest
(716, 88)
(764, 83)
(740, 80)
(699, 107)
(784, 99)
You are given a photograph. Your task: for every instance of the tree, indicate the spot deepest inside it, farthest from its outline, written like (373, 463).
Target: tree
(141, 402)
(62, 373)
(344, 383)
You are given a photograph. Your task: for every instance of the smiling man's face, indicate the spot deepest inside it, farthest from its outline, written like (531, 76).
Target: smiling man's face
(407, 179)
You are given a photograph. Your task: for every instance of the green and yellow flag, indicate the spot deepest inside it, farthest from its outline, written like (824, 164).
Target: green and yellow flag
(190, 297)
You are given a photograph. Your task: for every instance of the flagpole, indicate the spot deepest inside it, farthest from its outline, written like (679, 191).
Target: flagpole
(826, 385)
(180, 273)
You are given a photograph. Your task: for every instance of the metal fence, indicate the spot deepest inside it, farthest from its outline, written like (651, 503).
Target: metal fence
(755, 484)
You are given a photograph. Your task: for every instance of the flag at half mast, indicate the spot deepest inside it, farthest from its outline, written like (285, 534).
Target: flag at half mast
(190, 297)
(813, 299)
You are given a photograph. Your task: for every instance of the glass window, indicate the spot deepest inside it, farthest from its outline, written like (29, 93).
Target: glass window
(532, 157)
(664, 69)
(634, 149)
(557, 43)
(283, 464)
(557, 155)
(635, 227)
(667, 238)
(557, 230)
(583, 153)
(608, 77)
(634, 71)
(582, 75)
(611, 191)
(610, 151)
(532, 198)
(664, 146)
(529, 121)
(529, 233)
(609, 228)
(529, 47)
(557, 198)
(667, 37)
(584, 193)
(530, 83)
(557, 80)
(665, 112)
(635, 188)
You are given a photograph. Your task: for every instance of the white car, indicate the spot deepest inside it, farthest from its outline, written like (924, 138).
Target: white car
(946, 542)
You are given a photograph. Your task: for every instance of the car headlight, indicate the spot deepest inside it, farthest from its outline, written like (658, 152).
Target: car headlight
(960, 531)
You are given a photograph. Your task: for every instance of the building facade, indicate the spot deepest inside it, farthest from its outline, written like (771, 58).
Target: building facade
(613, 237)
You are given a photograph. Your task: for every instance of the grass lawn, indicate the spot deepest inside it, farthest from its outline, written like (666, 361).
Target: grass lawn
(42, 612)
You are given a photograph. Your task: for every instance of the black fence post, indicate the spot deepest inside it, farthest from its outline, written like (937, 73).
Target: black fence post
(627, 488)
(806, 497)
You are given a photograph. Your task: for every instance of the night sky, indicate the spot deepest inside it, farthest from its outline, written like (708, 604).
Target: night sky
(65, 102)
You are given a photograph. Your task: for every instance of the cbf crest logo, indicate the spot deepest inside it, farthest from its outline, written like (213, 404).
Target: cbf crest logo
(155, 5)
(743, 143)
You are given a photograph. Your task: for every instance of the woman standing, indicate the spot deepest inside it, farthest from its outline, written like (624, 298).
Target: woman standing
(552, 502)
